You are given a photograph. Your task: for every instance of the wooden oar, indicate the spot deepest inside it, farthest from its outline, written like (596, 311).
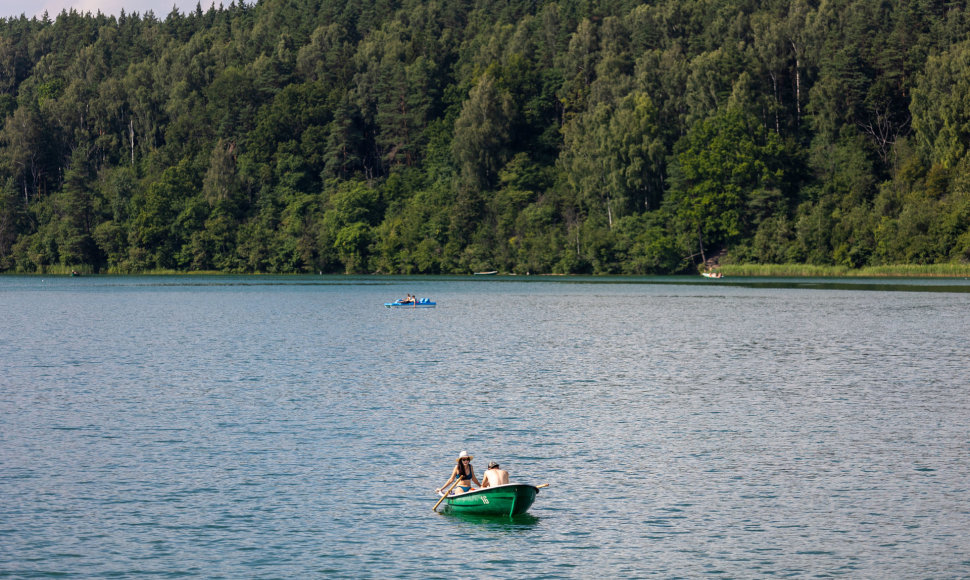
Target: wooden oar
(542, 486)
(435, 508)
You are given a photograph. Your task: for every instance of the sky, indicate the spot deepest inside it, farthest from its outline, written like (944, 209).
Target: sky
(161, 8)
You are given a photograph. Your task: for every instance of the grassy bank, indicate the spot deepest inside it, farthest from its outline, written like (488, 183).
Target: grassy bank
(59, 270)
(807, 270)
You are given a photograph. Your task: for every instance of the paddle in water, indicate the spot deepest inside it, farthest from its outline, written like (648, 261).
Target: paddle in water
(435, 508)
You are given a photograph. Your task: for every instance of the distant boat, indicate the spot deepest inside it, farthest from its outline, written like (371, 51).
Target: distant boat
(490, 273)
(502, 500)
(711, 274)
(419, 303)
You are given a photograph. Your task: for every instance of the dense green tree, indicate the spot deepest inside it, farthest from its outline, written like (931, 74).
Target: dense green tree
(76, 206)
(940, 106)
(27, 151)
(232, 102)
(719, 164)
(613, 157)
(450, 136)
(13, 218)
(158, 221)
(482, 133)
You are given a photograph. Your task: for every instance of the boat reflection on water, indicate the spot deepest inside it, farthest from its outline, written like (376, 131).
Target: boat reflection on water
(521, 521)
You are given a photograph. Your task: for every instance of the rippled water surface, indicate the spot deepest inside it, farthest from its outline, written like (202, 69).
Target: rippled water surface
(262, 427)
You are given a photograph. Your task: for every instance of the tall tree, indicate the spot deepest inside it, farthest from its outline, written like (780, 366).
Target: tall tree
(941, 112)
(482, 133)
(27, 150)
(719, 162)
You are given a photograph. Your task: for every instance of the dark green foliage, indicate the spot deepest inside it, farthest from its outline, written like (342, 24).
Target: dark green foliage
(610, 137)
(727, 177)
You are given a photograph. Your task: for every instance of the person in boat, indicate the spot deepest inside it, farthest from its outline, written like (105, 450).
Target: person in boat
(495, 475)
(464, 472)
(408, 299)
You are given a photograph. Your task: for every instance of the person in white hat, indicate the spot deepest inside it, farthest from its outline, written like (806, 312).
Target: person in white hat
(464, 472)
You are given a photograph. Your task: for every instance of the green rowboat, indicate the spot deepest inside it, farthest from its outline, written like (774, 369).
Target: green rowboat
(502, 500)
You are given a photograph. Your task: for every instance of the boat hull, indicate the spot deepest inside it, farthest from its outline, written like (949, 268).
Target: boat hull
(503, 500)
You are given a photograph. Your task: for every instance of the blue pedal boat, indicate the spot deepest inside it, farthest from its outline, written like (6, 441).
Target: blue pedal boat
(419, 303)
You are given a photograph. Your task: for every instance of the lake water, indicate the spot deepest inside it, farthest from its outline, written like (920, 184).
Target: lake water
(293, 427)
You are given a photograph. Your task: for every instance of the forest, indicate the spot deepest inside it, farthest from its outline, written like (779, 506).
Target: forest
(455, 136)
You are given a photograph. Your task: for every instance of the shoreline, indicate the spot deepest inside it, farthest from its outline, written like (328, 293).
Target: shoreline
(932, 271)
(810, 271)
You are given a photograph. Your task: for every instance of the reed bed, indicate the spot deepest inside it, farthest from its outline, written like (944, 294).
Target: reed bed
(813, 271)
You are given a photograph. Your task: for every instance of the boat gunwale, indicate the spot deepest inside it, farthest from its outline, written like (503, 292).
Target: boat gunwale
(492, 488)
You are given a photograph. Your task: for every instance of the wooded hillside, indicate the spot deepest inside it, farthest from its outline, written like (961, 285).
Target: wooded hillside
(452, 136)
